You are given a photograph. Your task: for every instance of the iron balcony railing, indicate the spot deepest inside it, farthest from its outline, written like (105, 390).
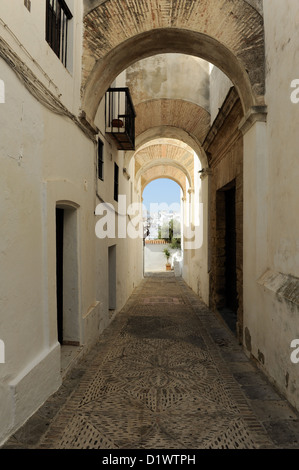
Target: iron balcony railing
(120, 117)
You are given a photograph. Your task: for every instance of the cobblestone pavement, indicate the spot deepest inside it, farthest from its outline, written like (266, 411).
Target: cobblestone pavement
(166, 374)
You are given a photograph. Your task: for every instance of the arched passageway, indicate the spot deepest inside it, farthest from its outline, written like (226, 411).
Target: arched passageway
(67, 151)
(228, 34)
(170, 116)
(221, 32)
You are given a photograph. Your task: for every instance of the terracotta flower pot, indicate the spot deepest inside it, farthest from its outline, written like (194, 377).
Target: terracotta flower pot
(117, 123)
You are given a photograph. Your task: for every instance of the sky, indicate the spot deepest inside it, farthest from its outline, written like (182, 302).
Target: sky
(161, 190)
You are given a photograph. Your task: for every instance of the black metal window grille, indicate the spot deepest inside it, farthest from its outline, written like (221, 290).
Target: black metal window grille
(57, 18)
(116, 176)
(100, 160)
(120, 117)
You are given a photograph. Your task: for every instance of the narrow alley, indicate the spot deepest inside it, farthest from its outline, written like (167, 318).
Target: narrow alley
(166, 374)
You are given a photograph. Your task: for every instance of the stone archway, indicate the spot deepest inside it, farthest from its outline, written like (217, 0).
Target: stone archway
(227, 33)
(89, 5)
(189, 117)
(167, 153)
(172, 119)
(163, 172)
(169, 132)
(160, 168)
(171, 96)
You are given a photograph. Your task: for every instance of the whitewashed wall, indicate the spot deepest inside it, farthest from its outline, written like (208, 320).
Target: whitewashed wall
(46, 159)
(271, 261)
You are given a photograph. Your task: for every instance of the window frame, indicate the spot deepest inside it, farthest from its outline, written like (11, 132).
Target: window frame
(100, 153)
(58, 16)
(116, 181)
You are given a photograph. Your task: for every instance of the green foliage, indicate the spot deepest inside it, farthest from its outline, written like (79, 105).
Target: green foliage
(175, 243)
(166, 253)
(170, 228)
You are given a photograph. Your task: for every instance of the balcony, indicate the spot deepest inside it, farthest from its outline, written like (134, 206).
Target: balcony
(120, 117)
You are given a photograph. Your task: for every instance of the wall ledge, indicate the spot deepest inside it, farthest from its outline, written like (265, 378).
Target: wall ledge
(284, 286)
(254, 115)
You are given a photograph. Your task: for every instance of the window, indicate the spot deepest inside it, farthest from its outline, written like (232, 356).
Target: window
(116, 172)
(58, 16)
(100, 160)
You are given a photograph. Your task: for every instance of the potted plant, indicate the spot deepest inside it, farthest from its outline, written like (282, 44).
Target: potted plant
(167, 256)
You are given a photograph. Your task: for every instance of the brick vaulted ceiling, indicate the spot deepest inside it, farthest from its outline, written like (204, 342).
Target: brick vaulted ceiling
(187, 116)
(89, 5)
(165, 158)
(228, 33)
(171, 96)
(164, 171)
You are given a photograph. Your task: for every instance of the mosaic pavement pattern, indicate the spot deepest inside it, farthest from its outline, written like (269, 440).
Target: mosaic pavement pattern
(159, 384)
(159, 379)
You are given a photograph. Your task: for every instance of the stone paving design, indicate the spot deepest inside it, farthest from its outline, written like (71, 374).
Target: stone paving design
(159, 385)
(166, 374)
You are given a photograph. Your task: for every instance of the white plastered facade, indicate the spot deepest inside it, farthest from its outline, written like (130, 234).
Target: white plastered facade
(49, 160)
